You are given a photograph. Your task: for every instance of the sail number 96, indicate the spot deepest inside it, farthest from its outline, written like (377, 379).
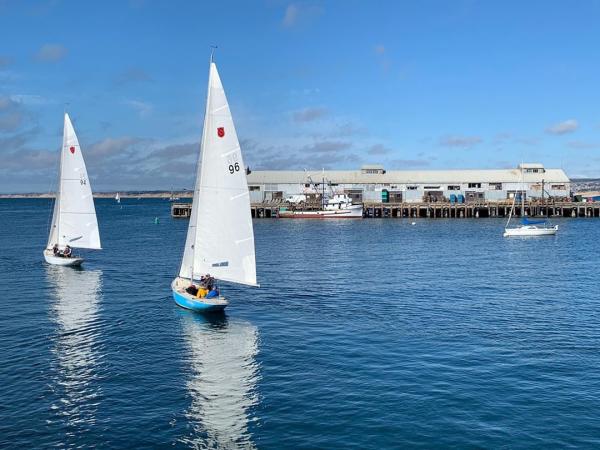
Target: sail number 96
(234, 168)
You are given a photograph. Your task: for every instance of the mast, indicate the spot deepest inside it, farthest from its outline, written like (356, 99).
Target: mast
(60, 179)
(522, 192)
(199, 165)
(543, 193)
(323, 190)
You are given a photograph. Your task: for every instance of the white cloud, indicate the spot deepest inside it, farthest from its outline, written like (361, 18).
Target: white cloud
(568, 126)
(378, 149)
(143, 108)
(581, 145)
(291, 16)
(460, 141)
(297, 13)
(309, 114)
(51, 53)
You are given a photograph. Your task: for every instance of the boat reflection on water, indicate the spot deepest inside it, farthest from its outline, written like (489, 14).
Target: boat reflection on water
(223, 378)
(76, 295)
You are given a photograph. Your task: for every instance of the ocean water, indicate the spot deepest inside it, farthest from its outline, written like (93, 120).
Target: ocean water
(364, 334)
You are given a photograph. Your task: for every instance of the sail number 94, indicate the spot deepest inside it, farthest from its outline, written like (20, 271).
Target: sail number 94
(234, 168)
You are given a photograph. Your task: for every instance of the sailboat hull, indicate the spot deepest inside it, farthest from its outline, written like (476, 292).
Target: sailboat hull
(187, 301)
(61, 261)
(529, 230)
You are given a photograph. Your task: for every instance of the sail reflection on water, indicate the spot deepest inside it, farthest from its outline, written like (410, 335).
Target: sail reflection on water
(75, 309)
(223, 379)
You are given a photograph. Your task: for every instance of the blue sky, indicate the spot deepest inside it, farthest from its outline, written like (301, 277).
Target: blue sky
(334, 84)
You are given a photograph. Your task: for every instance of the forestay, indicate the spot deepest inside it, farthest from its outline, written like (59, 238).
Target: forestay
(74, 220)
(220, 239)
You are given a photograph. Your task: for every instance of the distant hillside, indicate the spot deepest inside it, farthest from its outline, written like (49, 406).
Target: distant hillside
(585, 184)
(122, 194)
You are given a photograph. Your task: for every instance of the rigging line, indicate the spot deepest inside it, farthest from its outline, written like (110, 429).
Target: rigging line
(50, 191)
(239, 195)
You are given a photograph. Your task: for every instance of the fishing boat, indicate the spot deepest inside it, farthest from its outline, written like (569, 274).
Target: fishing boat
(220, 238)
(339, 206)
(74, 223)
(527, 227)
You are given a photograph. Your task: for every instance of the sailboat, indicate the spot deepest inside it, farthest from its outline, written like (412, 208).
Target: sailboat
(118, 198)
(527, 227)
(220, 238)
(74, 223)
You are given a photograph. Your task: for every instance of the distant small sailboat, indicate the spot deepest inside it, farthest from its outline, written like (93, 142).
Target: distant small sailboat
(118, 198)
(74, 223)
(528, 227)
(220, 238)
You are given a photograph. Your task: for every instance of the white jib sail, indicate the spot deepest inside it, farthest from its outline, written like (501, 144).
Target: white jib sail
(220, 238)
(74, 221)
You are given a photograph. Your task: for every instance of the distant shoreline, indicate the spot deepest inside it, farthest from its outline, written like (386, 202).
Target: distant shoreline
(130, 194)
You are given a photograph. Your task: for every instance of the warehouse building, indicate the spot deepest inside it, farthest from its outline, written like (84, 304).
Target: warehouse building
(376, 184)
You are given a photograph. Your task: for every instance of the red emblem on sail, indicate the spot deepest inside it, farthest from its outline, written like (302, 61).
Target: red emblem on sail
(221, 132)
(72, 149)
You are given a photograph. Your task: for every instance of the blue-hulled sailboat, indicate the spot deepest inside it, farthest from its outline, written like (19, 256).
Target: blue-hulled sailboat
(220, 238)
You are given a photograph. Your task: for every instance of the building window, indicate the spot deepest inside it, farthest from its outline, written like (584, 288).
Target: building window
(474, 185)
(411, 188)
(495, 186)
(431, 187)
(254, 188)
(306, 184)
(559, 187)
(453, 187)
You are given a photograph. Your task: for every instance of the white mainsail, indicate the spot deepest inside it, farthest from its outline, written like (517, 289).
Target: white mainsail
(220, 239)
(74, 220)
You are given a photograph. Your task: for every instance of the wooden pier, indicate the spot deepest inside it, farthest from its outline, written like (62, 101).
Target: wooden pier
(480, 210)
(181, 210)
(436, 210)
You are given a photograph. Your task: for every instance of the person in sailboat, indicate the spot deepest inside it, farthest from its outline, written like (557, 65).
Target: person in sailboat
(55, 250)
(207, 282)
(67, 252)
(191, 289)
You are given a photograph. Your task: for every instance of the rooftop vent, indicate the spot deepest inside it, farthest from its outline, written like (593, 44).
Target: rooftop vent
(372, 169)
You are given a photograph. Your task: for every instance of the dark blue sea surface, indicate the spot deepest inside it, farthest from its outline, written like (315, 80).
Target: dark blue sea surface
(364, 334)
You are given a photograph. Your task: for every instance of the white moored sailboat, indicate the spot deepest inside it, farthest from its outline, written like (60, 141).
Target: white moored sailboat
(74, 223)
(118, 198)
(528, 227)
(220, 238)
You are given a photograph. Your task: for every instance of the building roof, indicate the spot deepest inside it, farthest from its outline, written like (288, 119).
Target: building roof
(407, 176)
